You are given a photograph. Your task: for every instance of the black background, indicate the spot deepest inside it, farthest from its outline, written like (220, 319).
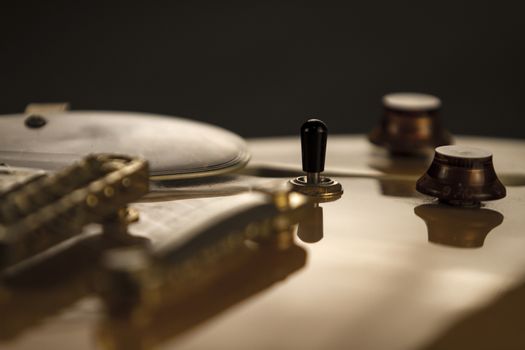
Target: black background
(261, 68)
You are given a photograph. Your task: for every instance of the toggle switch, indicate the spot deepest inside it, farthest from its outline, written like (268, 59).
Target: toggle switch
(314, 134)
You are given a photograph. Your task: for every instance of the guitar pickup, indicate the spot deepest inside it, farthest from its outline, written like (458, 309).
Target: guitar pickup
(42, 211)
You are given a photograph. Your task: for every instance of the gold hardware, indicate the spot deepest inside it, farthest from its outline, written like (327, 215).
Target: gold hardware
(43, 211)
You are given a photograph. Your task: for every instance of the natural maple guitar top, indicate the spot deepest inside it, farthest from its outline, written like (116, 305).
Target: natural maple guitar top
(392, 270)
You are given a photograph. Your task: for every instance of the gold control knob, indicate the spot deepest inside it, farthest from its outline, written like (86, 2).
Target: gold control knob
(411, 124)
(461, 176)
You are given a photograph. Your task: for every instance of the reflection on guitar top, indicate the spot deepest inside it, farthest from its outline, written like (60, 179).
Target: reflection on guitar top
(177, 305)
(464, 228)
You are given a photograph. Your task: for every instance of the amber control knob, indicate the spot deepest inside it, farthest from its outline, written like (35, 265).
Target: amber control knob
(461, 176)
(411, 124)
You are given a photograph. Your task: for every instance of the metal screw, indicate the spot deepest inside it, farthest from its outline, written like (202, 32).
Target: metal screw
(35, 121)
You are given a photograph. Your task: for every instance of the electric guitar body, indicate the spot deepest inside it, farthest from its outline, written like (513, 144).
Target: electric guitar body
(381, 266)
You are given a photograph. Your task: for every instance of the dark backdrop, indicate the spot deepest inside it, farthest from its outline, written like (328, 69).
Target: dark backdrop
(260, 68)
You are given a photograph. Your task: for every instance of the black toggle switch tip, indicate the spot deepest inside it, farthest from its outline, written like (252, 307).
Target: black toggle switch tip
(313, 145)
